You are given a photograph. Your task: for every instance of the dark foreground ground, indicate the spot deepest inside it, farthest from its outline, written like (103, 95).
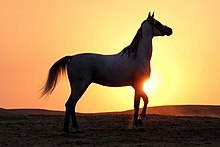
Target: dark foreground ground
(110, 130)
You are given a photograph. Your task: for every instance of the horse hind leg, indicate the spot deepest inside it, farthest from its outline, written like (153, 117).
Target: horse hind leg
(67, 117)
(77, 90)
(145, 98)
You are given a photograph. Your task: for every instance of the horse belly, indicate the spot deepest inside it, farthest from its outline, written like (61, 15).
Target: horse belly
(112, 77)
(112, 82)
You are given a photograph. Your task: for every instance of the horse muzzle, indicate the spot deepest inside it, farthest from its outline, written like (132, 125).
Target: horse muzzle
(168, 31)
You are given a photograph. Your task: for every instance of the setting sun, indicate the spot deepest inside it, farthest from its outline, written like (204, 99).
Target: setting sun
(149, 86)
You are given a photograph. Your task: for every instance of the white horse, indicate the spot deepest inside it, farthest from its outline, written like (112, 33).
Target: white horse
(130, 67)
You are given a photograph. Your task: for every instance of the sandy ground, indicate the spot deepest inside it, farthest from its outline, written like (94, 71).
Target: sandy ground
(109, 130)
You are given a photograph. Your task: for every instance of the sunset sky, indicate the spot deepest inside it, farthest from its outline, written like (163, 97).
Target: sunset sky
(36, 33)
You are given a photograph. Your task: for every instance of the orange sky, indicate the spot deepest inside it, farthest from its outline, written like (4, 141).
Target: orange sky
(34, 34)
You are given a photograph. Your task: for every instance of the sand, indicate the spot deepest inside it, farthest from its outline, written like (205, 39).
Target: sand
(109, 130)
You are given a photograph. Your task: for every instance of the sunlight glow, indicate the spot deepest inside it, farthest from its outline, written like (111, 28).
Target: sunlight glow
(152, 85)
(148, 85)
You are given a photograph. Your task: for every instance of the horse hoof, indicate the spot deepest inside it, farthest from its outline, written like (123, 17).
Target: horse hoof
(78, 130)
(138, 126)
(140, 129)
(140, 123)
(135, 128)
(66, 133)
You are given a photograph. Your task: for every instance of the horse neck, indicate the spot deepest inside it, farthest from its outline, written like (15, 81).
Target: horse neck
(145, 46)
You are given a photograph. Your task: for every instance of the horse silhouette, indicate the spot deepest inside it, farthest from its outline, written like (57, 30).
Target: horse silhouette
(130, 67)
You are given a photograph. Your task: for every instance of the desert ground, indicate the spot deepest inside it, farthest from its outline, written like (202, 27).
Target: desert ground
(108, 129)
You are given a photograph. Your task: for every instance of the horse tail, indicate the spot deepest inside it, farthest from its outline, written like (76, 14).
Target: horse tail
(58, 68)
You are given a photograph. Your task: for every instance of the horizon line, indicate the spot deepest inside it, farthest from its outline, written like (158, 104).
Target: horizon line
(218, 105)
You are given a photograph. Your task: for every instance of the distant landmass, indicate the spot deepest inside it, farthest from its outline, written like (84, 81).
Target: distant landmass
(29, 112)
(184, 110)
(175, 110)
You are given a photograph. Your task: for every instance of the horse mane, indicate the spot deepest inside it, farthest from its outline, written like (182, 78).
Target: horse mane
(131, 50)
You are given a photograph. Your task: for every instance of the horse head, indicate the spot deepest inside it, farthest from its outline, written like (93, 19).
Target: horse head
(158, 29)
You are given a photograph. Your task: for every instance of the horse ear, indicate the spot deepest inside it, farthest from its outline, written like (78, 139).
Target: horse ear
(149, 15)
(153, 15)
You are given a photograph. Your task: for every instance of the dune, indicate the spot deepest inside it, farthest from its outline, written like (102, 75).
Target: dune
(184, 110)
(174, 110)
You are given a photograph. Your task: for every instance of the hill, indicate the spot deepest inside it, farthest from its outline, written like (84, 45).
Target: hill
(178, 110)
(183, 110)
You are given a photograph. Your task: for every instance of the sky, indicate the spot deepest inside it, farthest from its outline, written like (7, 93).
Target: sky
(36, 33)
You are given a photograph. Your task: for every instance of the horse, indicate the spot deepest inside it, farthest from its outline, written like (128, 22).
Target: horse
(129, 67)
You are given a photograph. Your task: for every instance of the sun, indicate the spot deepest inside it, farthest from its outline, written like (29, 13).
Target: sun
(151, 85)
(148, 85)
